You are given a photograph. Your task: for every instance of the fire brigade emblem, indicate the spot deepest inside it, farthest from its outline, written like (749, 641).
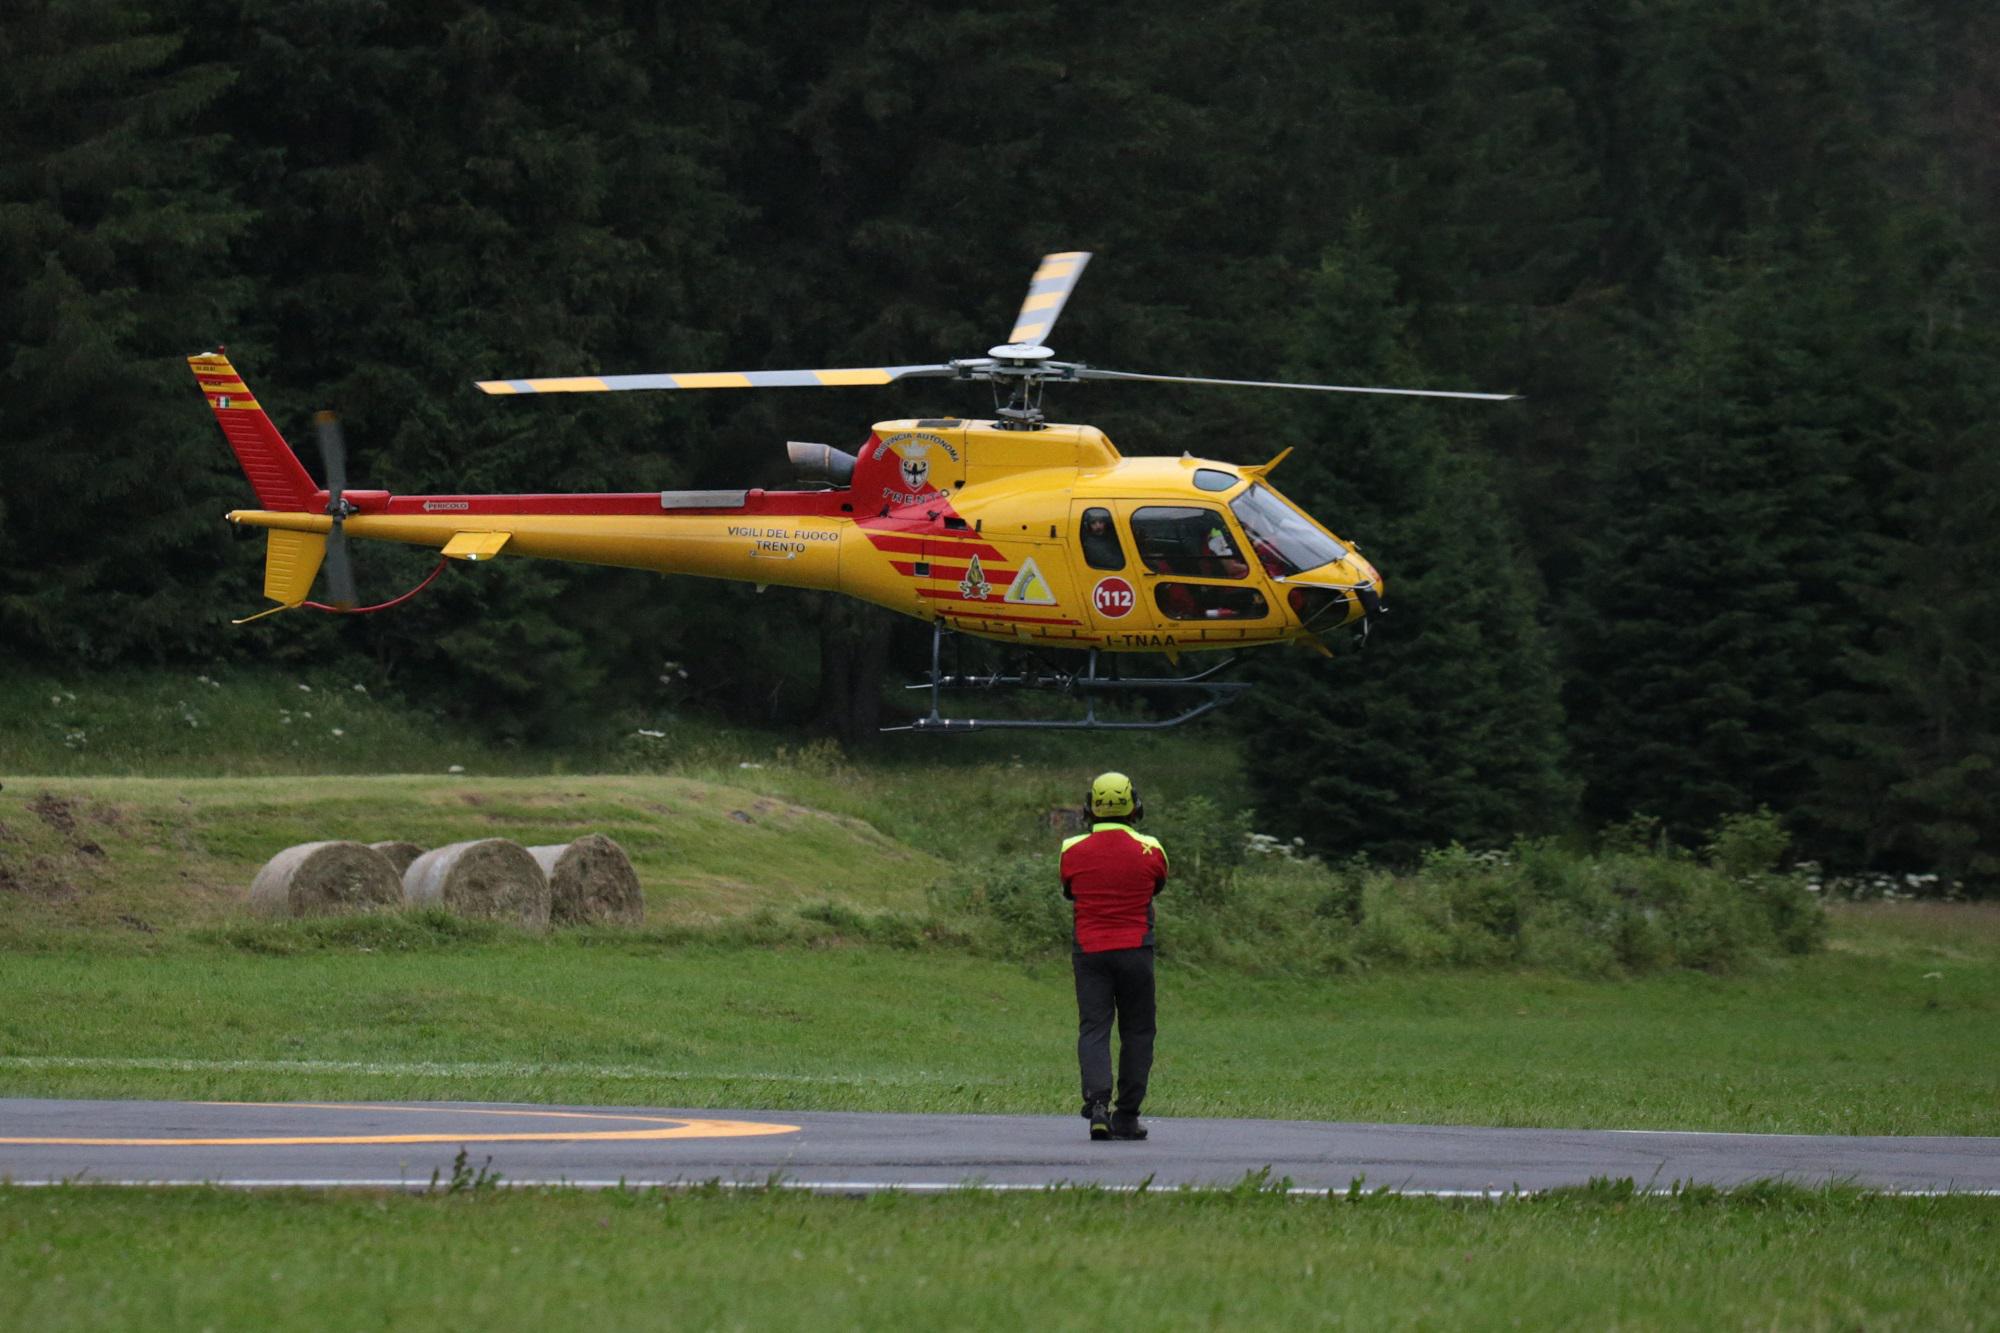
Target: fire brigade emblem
(974, 587)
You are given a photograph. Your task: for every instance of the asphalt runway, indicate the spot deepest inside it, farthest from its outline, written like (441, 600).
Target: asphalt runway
(402, 1144)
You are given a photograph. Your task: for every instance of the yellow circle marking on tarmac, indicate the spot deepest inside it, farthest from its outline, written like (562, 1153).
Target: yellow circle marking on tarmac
(658, 1127)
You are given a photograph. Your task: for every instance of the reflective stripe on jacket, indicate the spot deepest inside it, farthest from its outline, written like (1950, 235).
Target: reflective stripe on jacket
(1111, 874)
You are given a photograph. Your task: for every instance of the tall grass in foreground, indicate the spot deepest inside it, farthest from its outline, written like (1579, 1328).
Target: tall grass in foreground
(1760, 1257)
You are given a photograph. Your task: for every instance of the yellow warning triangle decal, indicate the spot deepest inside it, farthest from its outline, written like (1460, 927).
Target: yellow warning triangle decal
(1029, 587)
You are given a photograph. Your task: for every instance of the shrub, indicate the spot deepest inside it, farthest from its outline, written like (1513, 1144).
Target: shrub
(1747, 845)
(1205, 846)
(1013, 906)
(1342, 895)
(1556, 939)
(1635, 905)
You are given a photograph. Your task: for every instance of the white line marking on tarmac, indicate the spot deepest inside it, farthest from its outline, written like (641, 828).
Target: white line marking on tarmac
(1789, 1134)
(881, 1186)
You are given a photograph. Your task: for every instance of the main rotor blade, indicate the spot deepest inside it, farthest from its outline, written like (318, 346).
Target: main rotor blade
(723, 379)
(1087, 373)
(1047, 291)
(333, 449)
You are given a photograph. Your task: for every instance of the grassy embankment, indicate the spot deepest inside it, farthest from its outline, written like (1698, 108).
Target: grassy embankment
(784, 966)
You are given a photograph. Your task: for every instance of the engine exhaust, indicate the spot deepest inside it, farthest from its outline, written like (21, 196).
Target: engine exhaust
(821, 462)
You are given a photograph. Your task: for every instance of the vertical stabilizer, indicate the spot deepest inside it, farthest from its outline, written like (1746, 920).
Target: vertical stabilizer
(290, 564)
(274, 470)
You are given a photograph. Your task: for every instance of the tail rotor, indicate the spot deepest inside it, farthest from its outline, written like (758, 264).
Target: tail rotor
(339, 571)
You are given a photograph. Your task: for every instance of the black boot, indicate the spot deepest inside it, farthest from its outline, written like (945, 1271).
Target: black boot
(1125, 1125)
(1098, 1111)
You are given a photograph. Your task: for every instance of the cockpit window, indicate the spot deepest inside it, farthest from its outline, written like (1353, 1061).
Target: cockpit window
(1280, 535)
(1213, 479)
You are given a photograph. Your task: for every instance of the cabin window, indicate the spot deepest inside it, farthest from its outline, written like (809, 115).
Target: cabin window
(1181, 539)
(1209, 601)
(1101, 547)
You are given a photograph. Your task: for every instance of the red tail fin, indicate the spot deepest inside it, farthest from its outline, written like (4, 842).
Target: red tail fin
(274, 470)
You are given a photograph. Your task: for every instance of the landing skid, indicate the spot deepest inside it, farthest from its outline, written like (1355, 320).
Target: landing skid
(1089, 683)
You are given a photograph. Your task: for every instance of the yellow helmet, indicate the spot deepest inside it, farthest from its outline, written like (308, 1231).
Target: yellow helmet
(1112, 796)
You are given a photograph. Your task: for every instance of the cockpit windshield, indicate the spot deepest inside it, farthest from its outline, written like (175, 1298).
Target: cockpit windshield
(1282, 538)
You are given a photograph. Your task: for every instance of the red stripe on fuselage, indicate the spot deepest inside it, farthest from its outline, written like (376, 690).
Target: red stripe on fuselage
(994, 573)
(963, 613)
(962, 546)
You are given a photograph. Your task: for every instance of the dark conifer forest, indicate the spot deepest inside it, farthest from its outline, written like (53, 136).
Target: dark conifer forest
(1738, 546)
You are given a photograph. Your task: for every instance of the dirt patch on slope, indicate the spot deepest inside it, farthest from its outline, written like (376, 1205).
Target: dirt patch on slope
(58, 812)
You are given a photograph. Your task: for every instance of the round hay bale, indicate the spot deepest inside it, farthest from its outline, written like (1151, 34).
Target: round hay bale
(326, 879)
(400, 854)
(491, 878)
(591, 881)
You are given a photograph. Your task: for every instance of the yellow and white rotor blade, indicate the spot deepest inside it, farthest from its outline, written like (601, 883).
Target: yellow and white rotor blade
(722, 379)
(1092, 373)
(1048, 290)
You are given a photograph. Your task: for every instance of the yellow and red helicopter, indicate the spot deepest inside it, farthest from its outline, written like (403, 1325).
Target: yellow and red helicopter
(1013, 529)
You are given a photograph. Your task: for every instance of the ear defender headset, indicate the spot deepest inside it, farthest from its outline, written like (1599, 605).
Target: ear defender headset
(1112, 796)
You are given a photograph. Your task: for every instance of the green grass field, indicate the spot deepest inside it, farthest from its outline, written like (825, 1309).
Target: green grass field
(765, 976)
(796, 957)
(1889, 1032)
(1772, 1258)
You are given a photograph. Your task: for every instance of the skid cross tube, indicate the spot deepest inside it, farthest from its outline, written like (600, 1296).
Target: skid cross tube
(1089, 683)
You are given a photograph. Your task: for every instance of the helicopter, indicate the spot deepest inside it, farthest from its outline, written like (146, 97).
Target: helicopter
(1013, 528)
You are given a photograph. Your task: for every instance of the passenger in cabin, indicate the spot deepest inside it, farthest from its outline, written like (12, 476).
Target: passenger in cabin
(1100, 541)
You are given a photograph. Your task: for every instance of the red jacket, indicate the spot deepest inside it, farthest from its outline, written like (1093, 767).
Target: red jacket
(1111, 873)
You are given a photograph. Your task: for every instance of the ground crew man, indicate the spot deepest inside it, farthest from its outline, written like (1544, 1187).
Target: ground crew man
(1110, 874)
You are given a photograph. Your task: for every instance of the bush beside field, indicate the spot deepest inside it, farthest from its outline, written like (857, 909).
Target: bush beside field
(1241, 902)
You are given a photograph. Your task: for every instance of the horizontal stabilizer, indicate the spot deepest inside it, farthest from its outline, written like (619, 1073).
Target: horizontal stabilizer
(475, 545)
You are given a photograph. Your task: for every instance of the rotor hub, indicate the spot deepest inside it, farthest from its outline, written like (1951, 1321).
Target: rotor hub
(1023, 352)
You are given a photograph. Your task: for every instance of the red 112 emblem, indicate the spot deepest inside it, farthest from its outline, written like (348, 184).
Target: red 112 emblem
(1113, 597)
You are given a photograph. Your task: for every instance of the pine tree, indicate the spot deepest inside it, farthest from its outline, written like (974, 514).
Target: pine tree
(1721, 586)
(116, 208)
(1909, 769)
(454, 191)
(1447, 726)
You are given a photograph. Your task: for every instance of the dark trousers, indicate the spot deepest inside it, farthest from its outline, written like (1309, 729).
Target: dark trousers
(1116, 983)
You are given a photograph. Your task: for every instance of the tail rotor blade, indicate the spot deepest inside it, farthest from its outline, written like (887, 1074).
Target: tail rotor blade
(339, 572)
(333, 451)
